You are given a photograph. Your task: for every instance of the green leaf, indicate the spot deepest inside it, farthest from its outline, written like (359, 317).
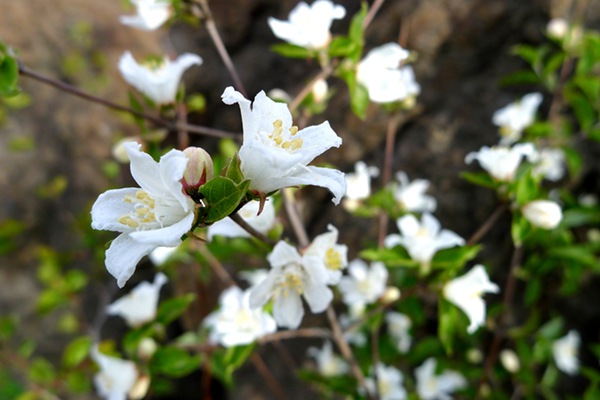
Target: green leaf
(480, 179)
(233, 169)
(455, 258)
(76, 280)
(357, 31)
(449, 324)
(41, 371)
(78, 382)
(342, 47)
(9, 76)
(577, 253)
(50, 299)
(8, 326)
(395, 257)
(520, 78)
(520, 229)
(222, 196)
(226, 361)
(76, 351)
(580, 217)
(292, 51)
(173, 362)
(359, 100)
(584, 111)
(171, 309)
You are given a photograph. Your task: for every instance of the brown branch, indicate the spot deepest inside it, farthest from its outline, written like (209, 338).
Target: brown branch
(372, 12)
(294, 217)
(323, 74)
(487, 225)
(248, 228)
(306, 333)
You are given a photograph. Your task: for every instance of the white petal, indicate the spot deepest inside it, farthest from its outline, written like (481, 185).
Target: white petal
(283, 254)
(167, 236)
(288, 311)
(318, 296)
(329, 178)
(123, 255)
(109, 207)
(172, 167)
(144, 169)
(262, 292)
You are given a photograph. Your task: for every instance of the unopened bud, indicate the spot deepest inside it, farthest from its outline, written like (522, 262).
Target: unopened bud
(118, 150)
(510, 361)
(199, 169)
(390, 295)
(319, 90)
(139, 388)
(474, 355)
(146, 348)
(544, 214)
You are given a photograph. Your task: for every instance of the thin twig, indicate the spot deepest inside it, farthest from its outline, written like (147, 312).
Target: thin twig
(372, 11)
(216, 266)
(323, 74)
(305, 333)
(294, 217)
(264, 372)
(248, 228)
(487, 225)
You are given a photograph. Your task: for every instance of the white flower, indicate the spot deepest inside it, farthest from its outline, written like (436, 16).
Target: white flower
(161, 254)
(308, 26)
(557, 28)
(158, 82)
(292, 276)
(515, 117)
(411, 195)
(328, 364)
(365, 284)
(254, 277)
(262, 222)
(236, 323)
(116, 377)
(510, 361)
(358, 185)
(565, 351)
(550, 164)
(389, 383)
(139, 306)
(437, 387)
(501, 162)
(466, 293)
(353, 336)
(545, 214)
(150, 14)
(157, 214)
(422, 239)
(398, 327)
(333, 255)
(383, 77)
(275, 154)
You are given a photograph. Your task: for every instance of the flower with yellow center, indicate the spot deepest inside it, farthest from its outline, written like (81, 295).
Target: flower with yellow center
(437, 387)
(275, 154)
(334, 256)
(364, 284)
(389, 383)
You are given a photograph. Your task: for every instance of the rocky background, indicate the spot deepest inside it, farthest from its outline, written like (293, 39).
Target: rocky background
(52, 152)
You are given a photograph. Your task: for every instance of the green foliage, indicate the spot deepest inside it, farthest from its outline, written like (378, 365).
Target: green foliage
(292, 51)
(77, 351)
(9, 72)
(171, 309)
(224, 362)
(173, 362)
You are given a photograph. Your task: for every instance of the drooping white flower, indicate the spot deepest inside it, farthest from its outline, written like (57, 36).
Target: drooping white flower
(422, 239)
(364, 284)
(157, 214)
(334, 256)
(308, 26)
(262, 222)
(565, 351)
(383, 77)
(399, 329)
(389, 383)
(291, 277)
(501, 162)
(328, 364)
(466, 293)
(358, 185)
(411, 195)
(550, 164)
(275, 154)
(236, 323)
(150, 14)
(515, 117)
(437, 387)
(116, 377)
(139, 306)
(545, 214)
(158, 82)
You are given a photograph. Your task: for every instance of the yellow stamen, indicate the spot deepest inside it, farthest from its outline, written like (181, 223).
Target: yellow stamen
(333, 259)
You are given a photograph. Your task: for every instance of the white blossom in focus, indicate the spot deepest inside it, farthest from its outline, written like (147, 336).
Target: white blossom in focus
(364, 284)
(550, 163)
(236, 323)
(116, 377)
(515, 117)
(328, 364)
(422, 239)
(262, 222)
(275, 154)
(545, 214)
(437, 387)
(358, 185)
(399, 329)
(291, 277)
(308, 26)
(466, 293)
(157, 214)
(150, 14)
(334, 256)
(389, 383)
(139, 306)
(411, 195)
(501, 162)
(381, 73)
(159, 82)
(565, 351)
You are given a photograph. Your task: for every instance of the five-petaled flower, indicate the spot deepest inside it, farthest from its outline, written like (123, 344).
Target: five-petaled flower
(501, 162)
(275, 154)
(515, 117)
(308, 26)
(150, 14)
(411, 195)
(437, 387)
(160, 81)
(358, 185)
(388, 384)
(156, 214)
(364, 284)
(328, 364)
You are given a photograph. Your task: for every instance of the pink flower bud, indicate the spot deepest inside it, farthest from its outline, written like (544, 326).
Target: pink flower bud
(199, 169)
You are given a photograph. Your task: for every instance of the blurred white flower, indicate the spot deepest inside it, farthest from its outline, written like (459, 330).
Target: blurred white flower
(235, 322)
(399, 329)
(275, 154)
(364, 284)
(139, 306)
(515, 117)
(159, 82)
(437, 387)
(308, 26)
(501, 162)
(354, 336)
(422, 239)
(557, 28)
(565, 351)
(328, 364)
(383, 77)
(262, 222)
(358, 185)
(411, 195)
(161, 254)
(466, 293)
(150, 14)
(389, 383)
(550, 163)
(545, 214)
(254, 277)
(510, 361)
(157, 214)
(116, 377)
(333, 255)
(320, 90)
(292, 276)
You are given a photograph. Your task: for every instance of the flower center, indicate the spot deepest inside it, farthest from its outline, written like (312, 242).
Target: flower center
(286, 142)
(143, 210)
(291, 282)
(155, 64)
(333, 260)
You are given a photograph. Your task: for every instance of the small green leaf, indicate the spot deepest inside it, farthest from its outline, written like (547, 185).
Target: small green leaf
(576, 253)
(171, 309)
(173, 362)
(357, 30)
(520, 78)
(580, 217)
(41, 371)
(342, 47)
(233, 169)
(225, 362)
(395, 257)
(292, 51)
(455, 258)
(449, 324)
(480, 179)
(76, 351)
(359, 100)
(9, 76)
(222, 196)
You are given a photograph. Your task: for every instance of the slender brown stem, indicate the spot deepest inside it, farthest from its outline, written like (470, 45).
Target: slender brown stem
(305, 333)
(245, 226)
(264, 372)
(294, 217)
(388, 161)
(216, 266)
(323, 74)
(487, 225)
(372, 12)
